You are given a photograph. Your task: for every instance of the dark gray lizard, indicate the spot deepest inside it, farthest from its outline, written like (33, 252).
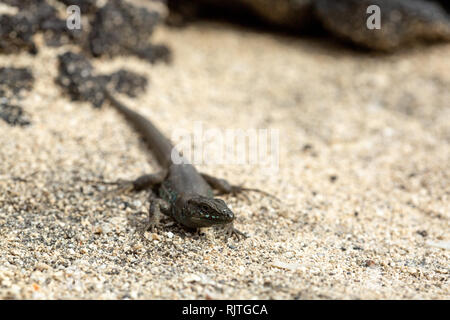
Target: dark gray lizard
(184, 194)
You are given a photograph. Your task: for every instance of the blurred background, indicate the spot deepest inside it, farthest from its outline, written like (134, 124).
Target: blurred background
(358, 90)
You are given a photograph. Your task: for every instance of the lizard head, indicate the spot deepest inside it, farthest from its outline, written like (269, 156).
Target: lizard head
(203, 211)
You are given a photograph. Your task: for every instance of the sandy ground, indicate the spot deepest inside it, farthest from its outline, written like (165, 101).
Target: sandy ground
(364, 176)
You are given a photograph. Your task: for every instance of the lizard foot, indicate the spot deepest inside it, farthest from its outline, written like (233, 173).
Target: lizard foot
(232, 231)
(235, 190)
(154, 213)
(200, 232)
(150, 226)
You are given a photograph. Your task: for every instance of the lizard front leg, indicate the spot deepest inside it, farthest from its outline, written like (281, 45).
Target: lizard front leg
(157, 207)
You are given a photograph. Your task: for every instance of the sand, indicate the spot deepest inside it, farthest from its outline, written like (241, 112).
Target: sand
(364, 176)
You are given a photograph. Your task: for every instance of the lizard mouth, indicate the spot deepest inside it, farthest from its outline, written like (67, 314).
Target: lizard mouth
(211, 219)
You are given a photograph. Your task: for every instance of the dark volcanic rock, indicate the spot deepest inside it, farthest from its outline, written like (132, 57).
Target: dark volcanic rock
(154, 53)
(16, 34)
(128, 82)
(12, 82)
(37, 11)
(116, 28)
(76, 75)
(78, 78)
(295, 14)
(402, 22)
(15, 80)
(54, 28)
(12, 114)
(34, 16)
(86, 6)
(121, 28)
(444, 3)
(56, 32)
(290, 14)
(21, 3)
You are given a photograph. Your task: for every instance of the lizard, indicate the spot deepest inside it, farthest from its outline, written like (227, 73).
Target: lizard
(181, 192)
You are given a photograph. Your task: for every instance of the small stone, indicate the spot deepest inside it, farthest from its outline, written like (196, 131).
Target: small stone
(193, 278)
(370, 263)
(155, 236)
(423, 233)
(439, 244)
(98, 230)
(42, 266)
(14, 115)
(287, 266)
